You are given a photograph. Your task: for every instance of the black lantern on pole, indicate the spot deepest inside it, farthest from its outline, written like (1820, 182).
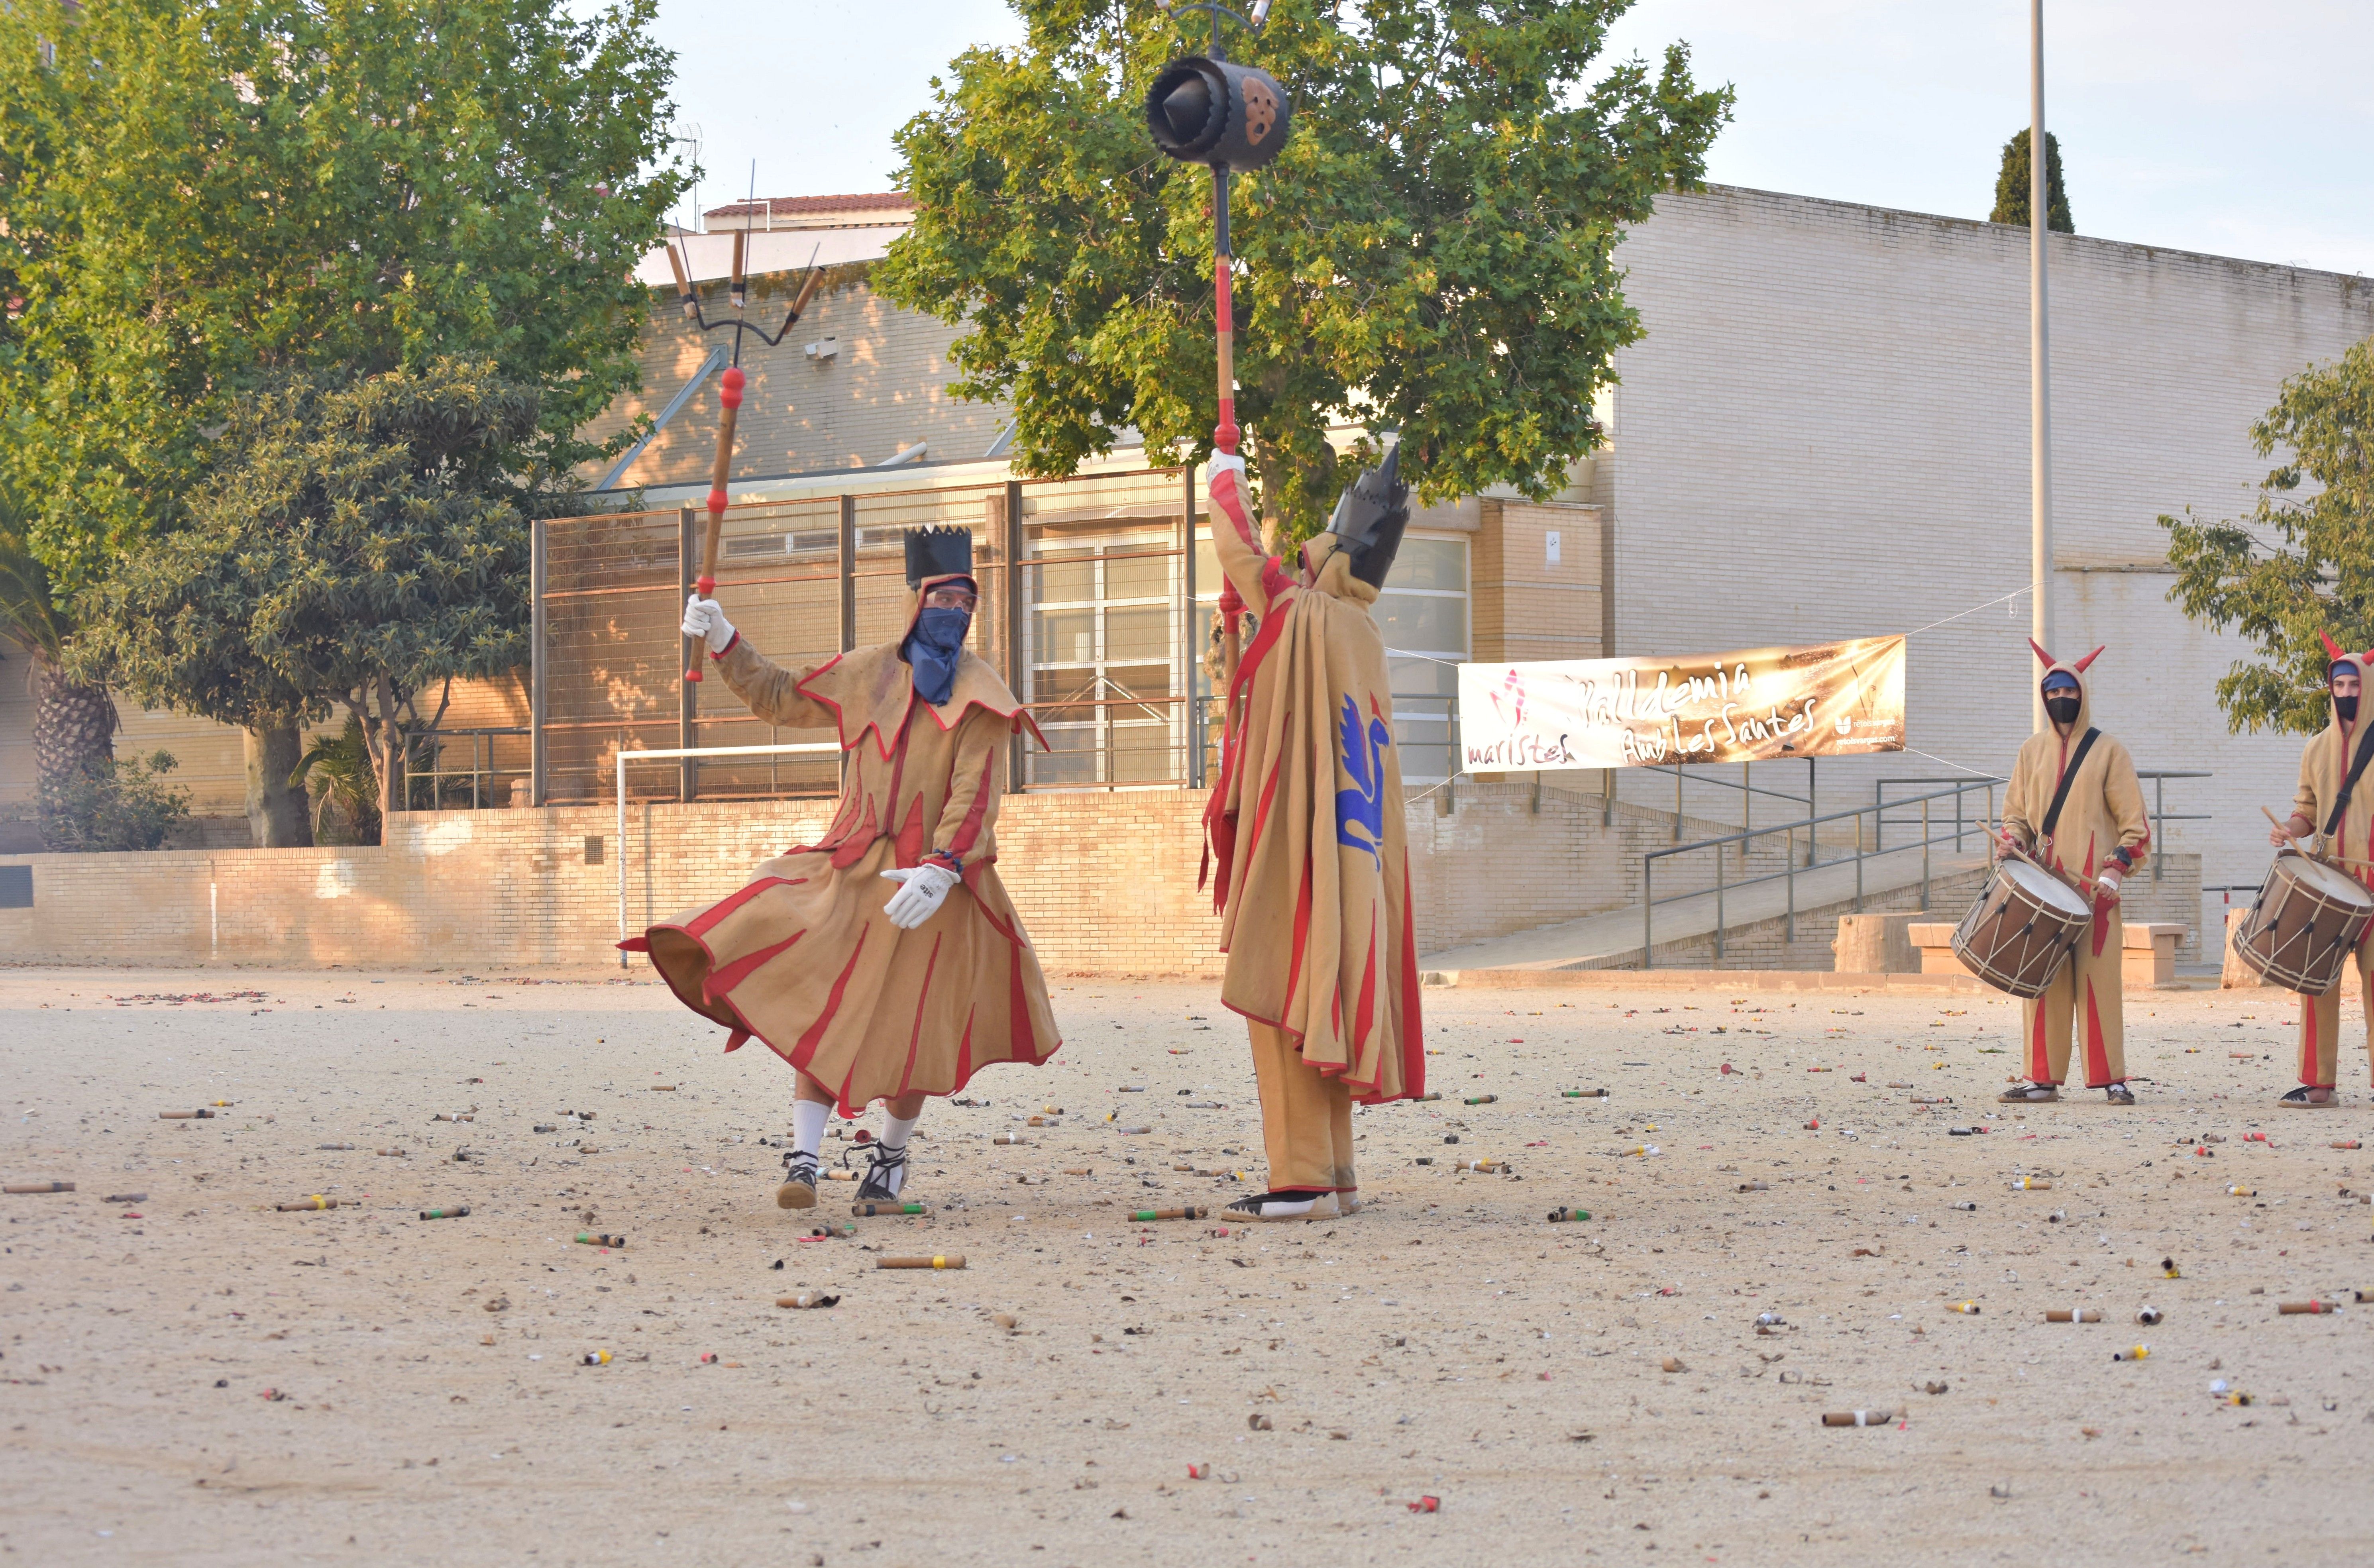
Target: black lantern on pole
(1206, 109)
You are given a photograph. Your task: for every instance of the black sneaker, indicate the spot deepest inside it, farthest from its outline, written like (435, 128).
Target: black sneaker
(798, 1190)
(1286, 1205)
(885, 1177)
(2120, 1095)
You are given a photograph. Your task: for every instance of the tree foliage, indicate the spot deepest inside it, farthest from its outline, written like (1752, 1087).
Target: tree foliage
(115, 805)
(362, 541)
(2012, 186)
(197, 200)
(2302, 562)
(1433, 253)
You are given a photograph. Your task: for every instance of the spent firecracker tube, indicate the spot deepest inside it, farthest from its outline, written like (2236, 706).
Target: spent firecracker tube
(1171, 1214)
(866, 1210)
(1857, 1417)
(1481, 1100)
(453, 1212)
(938, 1260)
(41, 1187)
(2307, 1308)
(595, 1238)
(2074, 1314)
(807, 1299)
(1560, 1216)
(307, 1204)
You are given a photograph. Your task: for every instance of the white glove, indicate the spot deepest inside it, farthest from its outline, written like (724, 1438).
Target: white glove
(926, 888)
(705, 618)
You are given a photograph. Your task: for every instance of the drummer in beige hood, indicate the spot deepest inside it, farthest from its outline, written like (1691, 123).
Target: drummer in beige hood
(2336, 800)
(2075, 805)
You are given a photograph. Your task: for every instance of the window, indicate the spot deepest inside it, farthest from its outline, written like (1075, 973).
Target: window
(1102, 658)
(1423, 613)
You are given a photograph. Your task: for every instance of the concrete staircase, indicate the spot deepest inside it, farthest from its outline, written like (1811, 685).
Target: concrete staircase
(1755, 920)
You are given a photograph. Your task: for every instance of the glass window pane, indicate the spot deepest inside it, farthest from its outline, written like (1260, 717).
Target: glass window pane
(1062, 685)
(1141, 633)
(1143, 754)
(1429, 625)
(1431, 562)
(1070, 757)
(1071, 580)
(1063, 636)
(1142, 578)
(1139, 680)
(1422, 677)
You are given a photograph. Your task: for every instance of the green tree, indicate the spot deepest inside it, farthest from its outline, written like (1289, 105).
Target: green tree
(363, 542)
(197, 201)
(1433, 253)
(2302, 562)
(2012, 185)
(74, 721)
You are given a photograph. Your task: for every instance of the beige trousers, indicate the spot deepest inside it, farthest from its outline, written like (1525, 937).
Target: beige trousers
(2320, 1024)
(2084, 998)
(1306, 1118)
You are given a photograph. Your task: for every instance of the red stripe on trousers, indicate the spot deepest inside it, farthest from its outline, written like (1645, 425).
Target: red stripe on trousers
(2098, 1059)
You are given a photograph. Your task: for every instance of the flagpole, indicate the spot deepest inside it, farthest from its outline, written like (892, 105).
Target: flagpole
(2039, 355)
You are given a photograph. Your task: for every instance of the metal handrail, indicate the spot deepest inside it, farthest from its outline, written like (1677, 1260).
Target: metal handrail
(1812, 824)
(1877, 811)
(475, 772)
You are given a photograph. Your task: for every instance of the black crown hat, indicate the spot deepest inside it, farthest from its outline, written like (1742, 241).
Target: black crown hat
(1370, 517)
(938, 551)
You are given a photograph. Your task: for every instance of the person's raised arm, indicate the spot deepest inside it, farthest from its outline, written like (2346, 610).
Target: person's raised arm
(771, 691)
(1256, 576)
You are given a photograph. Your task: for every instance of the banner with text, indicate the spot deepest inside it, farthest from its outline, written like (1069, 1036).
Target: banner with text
(1754, 705)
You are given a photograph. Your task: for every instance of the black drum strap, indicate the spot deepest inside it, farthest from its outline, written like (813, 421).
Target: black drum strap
(2358, 767)
(2077, 760)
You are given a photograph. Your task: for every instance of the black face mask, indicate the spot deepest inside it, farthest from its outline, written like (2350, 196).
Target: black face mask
(2062, 707)
(2348, 708)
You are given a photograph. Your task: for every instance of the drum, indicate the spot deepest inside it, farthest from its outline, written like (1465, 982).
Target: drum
(2307, 918)
(2022, 929)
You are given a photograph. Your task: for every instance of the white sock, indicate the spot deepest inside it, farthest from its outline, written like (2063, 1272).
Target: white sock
(807, 1125)
(896, 1129)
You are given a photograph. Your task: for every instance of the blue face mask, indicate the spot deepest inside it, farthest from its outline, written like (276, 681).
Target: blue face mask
(933, 649)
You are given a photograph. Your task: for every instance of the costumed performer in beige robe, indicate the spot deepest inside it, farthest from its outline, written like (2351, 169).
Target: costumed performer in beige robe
(2101, 833)
(1305, 829)
(2335, 800)
(869, 999)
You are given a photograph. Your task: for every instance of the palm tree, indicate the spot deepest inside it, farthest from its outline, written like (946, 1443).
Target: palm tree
(74, 721)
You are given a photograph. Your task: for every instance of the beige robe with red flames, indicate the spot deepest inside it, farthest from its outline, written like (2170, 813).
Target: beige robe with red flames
(804, 957)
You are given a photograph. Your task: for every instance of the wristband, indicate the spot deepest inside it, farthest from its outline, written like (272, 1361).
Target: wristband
(949, 859)
(729, 645)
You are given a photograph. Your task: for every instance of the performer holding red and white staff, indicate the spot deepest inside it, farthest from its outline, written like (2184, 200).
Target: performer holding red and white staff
(2075, 806)
(2330, 801)
(871, 992)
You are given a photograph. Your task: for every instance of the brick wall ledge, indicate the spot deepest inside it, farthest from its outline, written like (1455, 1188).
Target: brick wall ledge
(1708, 979)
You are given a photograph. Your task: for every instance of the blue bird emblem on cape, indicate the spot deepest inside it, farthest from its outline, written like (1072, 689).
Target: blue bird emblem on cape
(1362, 754)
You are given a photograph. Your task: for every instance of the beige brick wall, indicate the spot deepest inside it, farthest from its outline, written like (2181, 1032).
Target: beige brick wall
(1106, 883)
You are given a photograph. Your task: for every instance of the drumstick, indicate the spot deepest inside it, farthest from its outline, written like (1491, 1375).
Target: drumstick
(2283, 827)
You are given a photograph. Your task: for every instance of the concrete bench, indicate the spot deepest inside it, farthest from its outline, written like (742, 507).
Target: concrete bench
(2148, 958)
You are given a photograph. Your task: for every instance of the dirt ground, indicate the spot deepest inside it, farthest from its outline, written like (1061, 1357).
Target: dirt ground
(193, 1377)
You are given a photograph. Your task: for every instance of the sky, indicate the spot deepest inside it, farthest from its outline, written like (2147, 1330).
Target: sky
(2237, 131)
